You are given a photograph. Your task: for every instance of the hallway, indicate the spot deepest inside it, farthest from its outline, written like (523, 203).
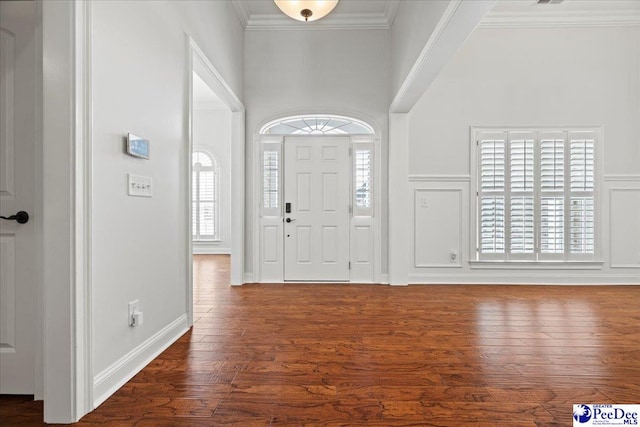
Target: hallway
(378, 355)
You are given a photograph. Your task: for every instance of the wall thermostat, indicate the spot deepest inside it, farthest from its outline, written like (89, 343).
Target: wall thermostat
(137, 147)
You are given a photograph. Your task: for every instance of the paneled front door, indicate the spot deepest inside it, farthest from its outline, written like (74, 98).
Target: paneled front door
(316, 197)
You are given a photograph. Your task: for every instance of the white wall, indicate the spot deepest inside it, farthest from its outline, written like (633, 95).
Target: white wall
(338, 71)
(527, 77)
(212, 132)
(139, 249)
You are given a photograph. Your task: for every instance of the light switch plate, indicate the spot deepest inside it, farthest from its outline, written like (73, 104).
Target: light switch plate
(139, 186)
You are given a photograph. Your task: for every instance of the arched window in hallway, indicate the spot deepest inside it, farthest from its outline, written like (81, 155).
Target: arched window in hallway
(205, 209)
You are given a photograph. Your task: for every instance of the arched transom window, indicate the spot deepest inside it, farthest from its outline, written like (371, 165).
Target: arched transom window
(325, 124)
(204, 197)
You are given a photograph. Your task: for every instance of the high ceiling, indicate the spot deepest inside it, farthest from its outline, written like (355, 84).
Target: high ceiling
(380, 14)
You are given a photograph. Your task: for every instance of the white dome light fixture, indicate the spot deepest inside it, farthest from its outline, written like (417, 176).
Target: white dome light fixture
(306, 10)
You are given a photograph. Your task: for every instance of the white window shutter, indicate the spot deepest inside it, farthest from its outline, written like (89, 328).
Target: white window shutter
(582, 175)
(552, 165)
(582, 164)
(521, 164)
(536, 195)
(492, 155)
(492, 232)
(204, 197)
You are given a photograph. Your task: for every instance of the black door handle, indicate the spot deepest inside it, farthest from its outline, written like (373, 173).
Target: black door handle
(289, 219)
(21, 217)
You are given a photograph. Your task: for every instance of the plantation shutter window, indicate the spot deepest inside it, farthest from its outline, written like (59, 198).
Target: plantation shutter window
(581, 215)
(492, 193)
(204, 197)
(536, 195)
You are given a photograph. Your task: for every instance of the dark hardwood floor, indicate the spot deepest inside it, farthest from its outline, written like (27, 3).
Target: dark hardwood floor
(378, 355)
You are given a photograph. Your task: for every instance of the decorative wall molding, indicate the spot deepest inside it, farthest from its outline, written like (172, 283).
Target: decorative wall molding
(622, 178)
(242, 10)
(391, 10)
(365, 21)
(115, 376)
(458, 249)
(613, 223)
(561, 19)
(439, 178)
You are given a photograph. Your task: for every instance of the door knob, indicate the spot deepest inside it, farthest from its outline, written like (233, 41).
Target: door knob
(20, 217)
(289, 219)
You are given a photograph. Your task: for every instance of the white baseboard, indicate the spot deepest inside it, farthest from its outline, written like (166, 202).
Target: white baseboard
(115, 376)
(384, 279)
(210, 250)
(248, 278)
(538, 279)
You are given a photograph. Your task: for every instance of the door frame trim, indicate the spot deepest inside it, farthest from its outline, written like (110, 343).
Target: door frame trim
(65, 138)
(197, 61)
(379, 170)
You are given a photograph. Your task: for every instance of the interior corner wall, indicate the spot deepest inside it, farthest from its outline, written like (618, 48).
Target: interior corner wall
(532, 77)
(212, 132)
(337, 71)
(140, 245)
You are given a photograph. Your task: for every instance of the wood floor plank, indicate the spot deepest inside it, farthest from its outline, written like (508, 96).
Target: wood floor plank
(337, 354)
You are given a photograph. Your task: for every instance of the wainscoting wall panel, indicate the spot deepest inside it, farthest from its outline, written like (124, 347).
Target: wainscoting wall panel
(438, 227)
(624, 231)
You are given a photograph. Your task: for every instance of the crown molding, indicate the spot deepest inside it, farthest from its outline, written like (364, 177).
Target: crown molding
(390, 11)
(562, 19)
(365, 21)
(242, 10)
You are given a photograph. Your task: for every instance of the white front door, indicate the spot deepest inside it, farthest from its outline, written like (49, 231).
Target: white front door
(316, 197)
(17, 189)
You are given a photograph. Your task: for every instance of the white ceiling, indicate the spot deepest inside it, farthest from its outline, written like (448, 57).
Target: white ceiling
(380, 14)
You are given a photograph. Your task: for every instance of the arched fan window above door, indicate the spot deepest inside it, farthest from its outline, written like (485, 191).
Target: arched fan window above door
(320, 124)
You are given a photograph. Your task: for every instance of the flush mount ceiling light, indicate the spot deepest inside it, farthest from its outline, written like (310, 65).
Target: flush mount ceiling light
(306, 10)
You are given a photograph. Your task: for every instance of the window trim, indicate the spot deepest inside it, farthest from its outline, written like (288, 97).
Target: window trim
(563, 261)
(196, 238)
(266, 128)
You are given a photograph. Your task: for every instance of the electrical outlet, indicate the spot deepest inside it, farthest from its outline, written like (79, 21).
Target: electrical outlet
(453, 256)
(133, 309)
